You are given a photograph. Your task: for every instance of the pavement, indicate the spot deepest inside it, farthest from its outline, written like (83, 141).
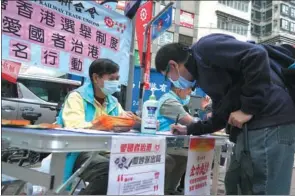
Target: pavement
(221, 190)
(292, 192)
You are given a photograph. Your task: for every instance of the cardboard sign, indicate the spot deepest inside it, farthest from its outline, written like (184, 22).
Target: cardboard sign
(10, 70)
(137, 166)
(199, 163)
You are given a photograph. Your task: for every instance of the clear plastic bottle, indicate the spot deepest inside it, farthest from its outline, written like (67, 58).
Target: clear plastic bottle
(149, 117)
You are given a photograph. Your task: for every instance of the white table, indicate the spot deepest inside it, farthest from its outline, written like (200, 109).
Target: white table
(60, 142)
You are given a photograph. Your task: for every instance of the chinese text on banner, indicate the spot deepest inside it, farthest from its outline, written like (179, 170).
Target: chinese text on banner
(64, 35)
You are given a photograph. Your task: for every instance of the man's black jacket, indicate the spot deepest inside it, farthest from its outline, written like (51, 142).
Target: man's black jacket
(239, 75)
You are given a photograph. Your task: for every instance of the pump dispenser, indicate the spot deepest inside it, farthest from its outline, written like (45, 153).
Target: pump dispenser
(149, 117)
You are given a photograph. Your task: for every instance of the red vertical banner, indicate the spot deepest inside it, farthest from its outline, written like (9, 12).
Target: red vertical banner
(147, 63)
(143, 17)
(10, 70)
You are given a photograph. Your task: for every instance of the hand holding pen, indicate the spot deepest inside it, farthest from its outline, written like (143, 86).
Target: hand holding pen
(176, 122)
(178, 129)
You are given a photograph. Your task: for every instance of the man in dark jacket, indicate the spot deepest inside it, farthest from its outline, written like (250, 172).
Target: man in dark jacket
(239, 78)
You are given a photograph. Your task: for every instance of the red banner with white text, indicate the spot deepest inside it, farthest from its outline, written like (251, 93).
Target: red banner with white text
(143, 17)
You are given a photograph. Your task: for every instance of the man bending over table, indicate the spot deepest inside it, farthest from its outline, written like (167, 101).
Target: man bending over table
(81, 107)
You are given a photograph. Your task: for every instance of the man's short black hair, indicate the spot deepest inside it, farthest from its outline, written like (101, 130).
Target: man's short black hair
(174, 51)
(103, 66)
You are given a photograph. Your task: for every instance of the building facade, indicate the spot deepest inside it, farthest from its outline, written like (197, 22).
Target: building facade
(225, 16)
(273, 22)
(183, 29)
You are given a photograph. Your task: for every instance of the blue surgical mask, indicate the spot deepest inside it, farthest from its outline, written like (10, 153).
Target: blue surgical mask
(110, 87)
(186, 100)
(182, 83)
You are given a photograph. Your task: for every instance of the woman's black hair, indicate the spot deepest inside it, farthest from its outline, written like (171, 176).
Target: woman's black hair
(103, 66)
(174, 51)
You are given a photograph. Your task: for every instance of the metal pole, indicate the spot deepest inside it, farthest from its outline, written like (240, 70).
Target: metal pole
(143, 66)
(128, 101)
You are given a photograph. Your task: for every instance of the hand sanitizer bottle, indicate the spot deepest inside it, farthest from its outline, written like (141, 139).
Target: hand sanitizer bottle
(149, 117)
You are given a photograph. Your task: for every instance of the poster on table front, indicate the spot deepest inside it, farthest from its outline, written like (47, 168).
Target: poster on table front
(137, 166)
(199, 163)
(64, 35)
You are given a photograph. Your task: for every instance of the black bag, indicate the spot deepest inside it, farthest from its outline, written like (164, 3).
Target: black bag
(239, 176)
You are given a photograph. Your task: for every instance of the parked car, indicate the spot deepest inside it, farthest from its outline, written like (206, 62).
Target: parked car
(35, 96)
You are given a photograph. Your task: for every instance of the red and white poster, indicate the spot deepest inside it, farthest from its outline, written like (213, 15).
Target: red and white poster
(137, 166)
(199, 163)
(186, 19)
(10, 70)
(143, 17)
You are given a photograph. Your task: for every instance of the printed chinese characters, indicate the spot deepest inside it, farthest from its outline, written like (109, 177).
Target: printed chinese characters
(93, 51)
(114, 43)
(123, 178)
(77, 46)
(128, 179)
(10, 25)
(79, 7)
(101, 37)
(163, 87)
(136, 147)
(36, 34)
(85, 31)
(199, 174)
(4, 4)
(146, 159)
(59, 40)
(20, 50)
(8, 67)
(49, 26)
(24, 9)
(92, 11)
(10, 70)
(68, 25)
(48, 17)
(76, 64)
(50, 58)
(66, 3)
(201, 169)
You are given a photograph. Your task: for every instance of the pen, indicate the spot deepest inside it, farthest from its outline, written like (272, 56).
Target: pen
(176, 122)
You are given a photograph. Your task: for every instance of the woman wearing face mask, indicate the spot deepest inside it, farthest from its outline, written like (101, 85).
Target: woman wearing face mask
(94, 98)
(170, 105)
(81, 107)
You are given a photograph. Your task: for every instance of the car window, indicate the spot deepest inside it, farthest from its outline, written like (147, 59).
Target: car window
(48, 91)
(8, 89)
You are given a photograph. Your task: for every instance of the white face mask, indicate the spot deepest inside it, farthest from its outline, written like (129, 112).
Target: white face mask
(110, 87)
(182, 83)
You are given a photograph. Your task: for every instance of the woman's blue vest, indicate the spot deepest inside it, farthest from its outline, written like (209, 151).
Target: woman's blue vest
(87, 93)
(165, 122)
